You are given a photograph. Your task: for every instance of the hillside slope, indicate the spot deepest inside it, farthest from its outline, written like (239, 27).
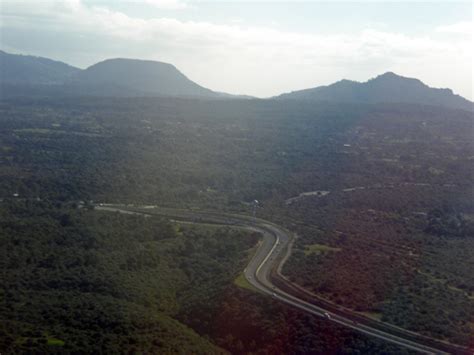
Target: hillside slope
(29, 76)
(385, 88)
(26, 69)
(138, 77)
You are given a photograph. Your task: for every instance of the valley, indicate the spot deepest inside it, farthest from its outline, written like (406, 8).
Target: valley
(392, 239)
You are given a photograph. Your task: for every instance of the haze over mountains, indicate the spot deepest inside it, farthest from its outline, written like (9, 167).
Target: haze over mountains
(387, 88)
(22, 75)
(28, 75)
(25, 69)
(140, 76)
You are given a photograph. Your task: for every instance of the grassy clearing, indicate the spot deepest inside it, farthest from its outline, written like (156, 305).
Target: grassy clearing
(47, 131)
(33, 130)
(318, 249)
(242, 282)
(55, 342)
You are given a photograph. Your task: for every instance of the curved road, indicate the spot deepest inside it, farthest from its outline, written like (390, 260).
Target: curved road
(263, 272)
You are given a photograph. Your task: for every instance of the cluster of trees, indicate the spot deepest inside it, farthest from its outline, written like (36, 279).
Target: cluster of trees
(263, 326)
(431, 308)
(173, 151)
(80, 280)
(97, 281)
(446, 222)
(405, 162)
(403, 226)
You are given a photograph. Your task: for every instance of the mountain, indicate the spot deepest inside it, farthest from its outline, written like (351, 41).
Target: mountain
(137, 78)
(29, 70)
(22, 75)
(385, 88)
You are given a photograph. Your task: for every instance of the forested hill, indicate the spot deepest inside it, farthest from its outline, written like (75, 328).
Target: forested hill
(139, 78)
(385, 88)
(30, 76)
(30, 70)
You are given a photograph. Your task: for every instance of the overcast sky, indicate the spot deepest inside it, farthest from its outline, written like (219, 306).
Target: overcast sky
(257, 48)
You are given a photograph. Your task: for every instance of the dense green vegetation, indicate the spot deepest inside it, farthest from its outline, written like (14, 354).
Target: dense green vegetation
(168, 151)
(253, 323)
(403, 224)
(391, 236)
(94, 281)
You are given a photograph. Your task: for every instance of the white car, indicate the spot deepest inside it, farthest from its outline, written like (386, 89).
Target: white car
(327, 315)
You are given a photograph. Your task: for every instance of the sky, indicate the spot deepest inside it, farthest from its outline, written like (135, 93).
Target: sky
(256, 48)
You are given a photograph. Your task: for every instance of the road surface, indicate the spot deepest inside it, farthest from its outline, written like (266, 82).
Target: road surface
(263, 272)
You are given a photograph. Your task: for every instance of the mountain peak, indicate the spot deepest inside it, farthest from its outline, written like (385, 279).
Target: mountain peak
(389, 75)
(131, 62)
(111, 77)
(385, 88)
(396, 82)
(145, 77)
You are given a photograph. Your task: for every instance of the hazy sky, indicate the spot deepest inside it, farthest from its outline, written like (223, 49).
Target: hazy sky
(257, 48)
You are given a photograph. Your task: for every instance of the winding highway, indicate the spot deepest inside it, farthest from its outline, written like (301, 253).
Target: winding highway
(263, 272)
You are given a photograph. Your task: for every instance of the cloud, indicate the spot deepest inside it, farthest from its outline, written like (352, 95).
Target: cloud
(462, 28)
(165, 4)
(256, 60)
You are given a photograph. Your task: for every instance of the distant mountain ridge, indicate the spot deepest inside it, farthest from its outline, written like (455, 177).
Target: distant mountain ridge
(385, 88)
(25, 69)
(36, 76)
(141, 77)
(24, 75)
